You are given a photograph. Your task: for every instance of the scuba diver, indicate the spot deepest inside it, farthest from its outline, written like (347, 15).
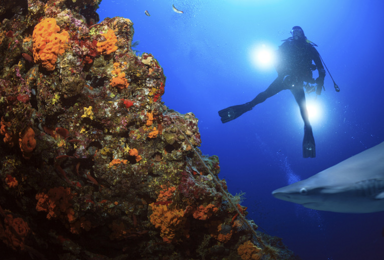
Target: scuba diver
(294, 67)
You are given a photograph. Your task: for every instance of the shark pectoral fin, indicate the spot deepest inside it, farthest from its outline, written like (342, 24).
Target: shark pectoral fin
(380, 196)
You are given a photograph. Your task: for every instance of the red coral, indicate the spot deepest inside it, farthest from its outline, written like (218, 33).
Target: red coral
(64, 133)
(9, 34)
(127, 103)
(190, 188)
(23, 98)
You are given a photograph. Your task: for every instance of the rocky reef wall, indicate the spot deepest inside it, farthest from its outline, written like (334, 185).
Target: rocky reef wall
(92, 164)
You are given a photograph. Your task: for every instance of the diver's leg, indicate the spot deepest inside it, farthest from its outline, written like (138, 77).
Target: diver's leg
(299, 95)
(309, 147)
(233, 112)
(273, 89)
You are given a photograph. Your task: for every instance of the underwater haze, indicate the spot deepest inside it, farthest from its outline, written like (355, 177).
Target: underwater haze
(215, 55)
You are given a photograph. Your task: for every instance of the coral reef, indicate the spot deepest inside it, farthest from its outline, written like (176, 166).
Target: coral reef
(92, 164)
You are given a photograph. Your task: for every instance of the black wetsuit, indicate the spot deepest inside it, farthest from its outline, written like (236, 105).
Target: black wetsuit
(294, 67)
(294, 59)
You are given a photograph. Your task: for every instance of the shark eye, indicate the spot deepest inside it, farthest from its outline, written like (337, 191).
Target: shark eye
(303, 191)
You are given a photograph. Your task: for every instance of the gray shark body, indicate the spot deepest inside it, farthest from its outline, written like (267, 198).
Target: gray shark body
(355, 185)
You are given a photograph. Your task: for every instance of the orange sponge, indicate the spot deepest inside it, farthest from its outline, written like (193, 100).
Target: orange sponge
(153, 133)
(204, 213)
(108, 46)
(150, 119)
(114, 162)
(27, 143)
(48, 43)
(57, 203)
(120, 81)
(248, 251)
(134, 152)
(166, 194)
(8, 136)
(14, 232)
(169, 221)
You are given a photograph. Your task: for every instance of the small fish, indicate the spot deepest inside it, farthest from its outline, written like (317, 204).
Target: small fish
(135, 43)
(27, 57)
(177, 11)
(147, 13)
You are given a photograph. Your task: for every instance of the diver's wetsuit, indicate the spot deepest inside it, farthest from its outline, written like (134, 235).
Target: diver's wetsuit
(294, 67)
(294, 60)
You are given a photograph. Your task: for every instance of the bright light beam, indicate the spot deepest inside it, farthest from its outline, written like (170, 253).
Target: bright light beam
(262, 57)
(314, 111)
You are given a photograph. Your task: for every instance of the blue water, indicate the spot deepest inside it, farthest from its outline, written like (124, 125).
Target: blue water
(207, 56)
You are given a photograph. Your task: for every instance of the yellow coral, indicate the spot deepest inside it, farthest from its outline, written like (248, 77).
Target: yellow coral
(48, 43)
(169, 221)
(248, 251)
(88, 112)
(108, 46)
(126, 148)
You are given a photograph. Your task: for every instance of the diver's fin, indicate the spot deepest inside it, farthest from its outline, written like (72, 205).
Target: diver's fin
(309, 147)
(233, 112)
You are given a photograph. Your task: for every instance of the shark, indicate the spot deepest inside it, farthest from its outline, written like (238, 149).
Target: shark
(355, 185)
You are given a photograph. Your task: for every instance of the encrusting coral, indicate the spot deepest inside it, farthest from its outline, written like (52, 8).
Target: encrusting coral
(93, 164)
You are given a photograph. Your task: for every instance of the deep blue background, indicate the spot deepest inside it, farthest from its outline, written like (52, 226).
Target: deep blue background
(206, 56)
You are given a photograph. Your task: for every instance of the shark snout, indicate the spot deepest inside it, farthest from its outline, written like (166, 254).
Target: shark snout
(281, 195)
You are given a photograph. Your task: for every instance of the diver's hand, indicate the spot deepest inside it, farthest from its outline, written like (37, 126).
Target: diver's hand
(319, 89)
(319, 85)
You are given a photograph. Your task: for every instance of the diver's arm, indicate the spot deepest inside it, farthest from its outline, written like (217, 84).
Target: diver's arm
(320, 69)
(319, 64)
(281, 60)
